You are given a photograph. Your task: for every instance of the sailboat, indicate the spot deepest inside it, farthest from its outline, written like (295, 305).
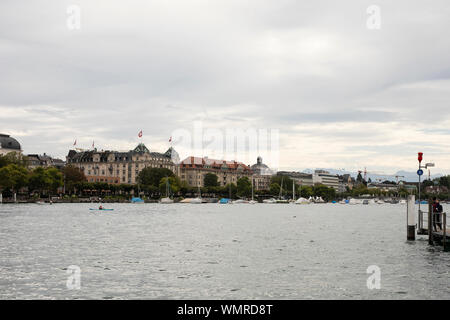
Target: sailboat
(280, 200)
(302, 200)
(197, 200)
(253, 200)
(167, 199)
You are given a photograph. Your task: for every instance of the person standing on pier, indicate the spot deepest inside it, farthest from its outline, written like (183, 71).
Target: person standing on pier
(437, 212)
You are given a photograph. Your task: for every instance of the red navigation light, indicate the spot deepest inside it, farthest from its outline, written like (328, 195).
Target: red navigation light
(420, 157)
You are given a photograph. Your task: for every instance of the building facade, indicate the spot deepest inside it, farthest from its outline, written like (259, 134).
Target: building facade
(326, 178)
(261, 175)
(9, 144)
(300, 178)
(193, 171)
(120, 167)
(45, 161)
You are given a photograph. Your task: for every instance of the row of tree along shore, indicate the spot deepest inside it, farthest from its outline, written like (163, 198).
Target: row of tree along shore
(69, 184)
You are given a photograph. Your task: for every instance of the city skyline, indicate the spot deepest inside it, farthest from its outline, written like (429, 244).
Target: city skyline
(341, 95)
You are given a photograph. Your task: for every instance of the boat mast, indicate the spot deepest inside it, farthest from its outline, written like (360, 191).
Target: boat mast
(252, 188)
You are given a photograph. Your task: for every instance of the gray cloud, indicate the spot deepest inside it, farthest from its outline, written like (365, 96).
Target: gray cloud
(311, 69)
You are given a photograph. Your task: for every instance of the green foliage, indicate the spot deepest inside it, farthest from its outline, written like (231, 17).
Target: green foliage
(13, 177)
(210, 180)
(153, 176)
(327, 193)
(13, 158)
(73, 175)
(174, 185)
(244, 187)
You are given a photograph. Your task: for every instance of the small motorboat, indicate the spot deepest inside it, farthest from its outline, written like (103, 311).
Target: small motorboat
(196, 200)
(238, 201)
(136, 200)
(272, 200)
(166, 200)
(225, 201)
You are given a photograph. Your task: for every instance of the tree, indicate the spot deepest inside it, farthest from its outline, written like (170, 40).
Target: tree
(13, 158)
(13, 177)
(72, 176)
(210, 180)
(274, 189)
(174, 185)
(153, 176)
(244, 187)
(40, 180)
(56, 178)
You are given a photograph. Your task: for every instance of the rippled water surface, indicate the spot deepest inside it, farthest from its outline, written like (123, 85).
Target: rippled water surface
(212, 251)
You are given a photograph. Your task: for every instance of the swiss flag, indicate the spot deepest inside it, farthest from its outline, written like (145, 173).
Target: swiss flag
(140, 134)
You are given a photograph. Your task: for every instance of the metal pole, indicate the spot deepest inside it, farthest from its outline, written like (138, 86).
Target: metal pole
(444, 228)
(430, 223)
(410, 216)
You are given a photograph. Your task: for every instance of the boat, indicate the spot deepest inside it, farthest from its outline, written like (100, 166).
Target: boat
(239, 201)
(225, 201)
(372, 201)
(380, 201)
(343, 201)
(353, 201)
(40, 202)
(271, 200)
(167, 199)
(365, 202)
(403, 201)
(92, 209)
(280, 199)
(319, 200)
(197, 200)
(136, 200)
(253, 200)
(302, 201)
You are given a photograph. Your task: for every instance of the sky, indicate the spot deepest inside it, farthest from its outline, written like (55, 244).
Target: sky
(341, 93)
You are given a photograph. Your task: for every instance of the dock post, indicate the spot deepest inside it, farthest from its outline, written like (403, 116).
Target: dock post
(15, 197)
(411, 218)
(430, 222)
(444, 230)
(1, 197)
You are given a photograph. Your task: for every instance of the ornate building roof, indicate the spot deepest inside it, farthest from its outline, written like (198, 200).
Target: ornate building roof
(8, 142)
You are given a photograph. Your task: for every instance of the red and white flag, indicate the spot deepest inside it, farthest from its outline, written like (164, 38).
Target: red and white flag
(75, 143)
(92, 144)
(170, 139)
(140, 134)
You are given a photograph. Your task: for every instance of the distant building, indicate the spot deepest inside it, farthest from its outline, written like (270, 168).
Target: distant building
(326, 178)
(261, 174)
(45, 161)
(120, 167)
(383, 186)
(193, 170)
(300, 178)
(346, 182)
(436, 189)
(9, 144)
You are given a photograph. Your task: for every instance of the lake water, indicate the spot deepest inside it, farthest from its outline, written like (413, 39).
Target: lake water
(212, 251)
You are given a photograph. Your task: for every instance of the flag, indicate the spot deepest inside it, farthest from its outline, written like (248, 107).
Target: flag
(75, 143)
(170, 140)
(140, 134)
(92, 144)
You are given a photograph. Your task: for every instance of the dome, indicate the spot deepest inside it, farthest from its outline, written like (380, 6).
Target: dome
(7, 142)
(260, 167)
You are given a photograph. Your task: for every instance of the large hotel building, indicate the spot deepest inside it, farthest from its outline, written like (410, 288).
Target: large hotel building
(120, 167)
(193, 170)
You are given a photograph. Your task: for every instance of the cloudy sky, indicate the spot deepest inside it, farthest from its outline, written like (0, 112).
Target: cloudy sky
(342, 95)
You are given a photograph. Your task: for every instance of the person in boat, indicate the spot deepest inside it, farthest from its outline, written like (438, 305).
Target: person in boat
(100, 208)
(437, 213)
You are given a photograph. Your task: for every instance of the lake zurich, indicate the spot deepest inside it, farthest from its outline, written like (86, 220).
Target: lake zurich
(212, 251)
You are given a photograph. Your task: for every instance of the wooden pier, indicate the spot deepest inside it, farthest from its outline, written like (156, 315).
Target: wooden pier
(435, 237)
